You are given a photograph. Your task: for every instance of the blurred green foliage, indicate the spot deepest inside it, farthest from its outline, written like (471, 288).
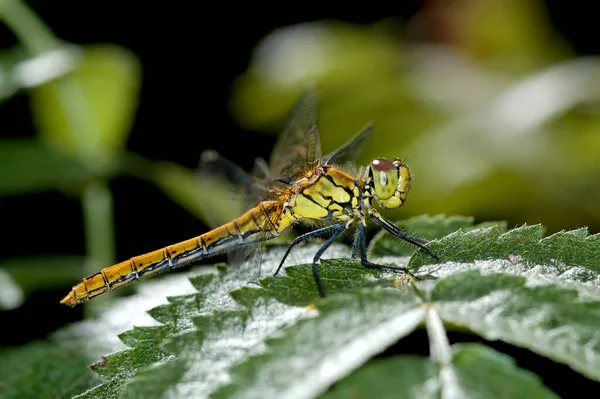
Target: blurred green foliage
(83, 101)
(497, 117)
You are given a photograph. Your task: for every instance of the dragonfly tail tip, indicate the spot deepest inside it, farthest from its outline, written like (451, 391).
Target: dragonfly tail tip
(69, 300)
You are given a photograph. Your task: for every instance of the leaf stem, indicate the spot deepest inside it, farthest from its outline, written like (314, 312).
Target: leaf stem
(97, 204)
(441, 352)
(27, 26)
(439, 344)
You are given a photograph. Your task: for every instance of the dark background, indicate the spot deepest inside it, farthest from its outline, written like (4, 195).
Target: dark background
(190, 55)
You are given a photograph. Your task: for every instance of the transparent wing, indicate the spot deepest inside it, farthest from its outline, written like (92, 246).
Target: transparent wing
(348, 151)
(261, 169)
(230, 191)
(298, 149)
(234, 191)
(213, 164)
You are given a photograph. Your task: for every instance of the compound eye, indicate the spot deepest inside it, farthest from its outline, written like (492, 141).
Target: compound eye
(385, 178)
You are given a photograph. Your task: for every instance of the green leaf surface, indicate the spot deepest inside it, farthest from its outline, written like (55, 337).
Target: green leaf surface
(230, 338)
(547, 319)
(562, 251)
(27, 166)
(298, 287)
(310, 356)
(89, 113)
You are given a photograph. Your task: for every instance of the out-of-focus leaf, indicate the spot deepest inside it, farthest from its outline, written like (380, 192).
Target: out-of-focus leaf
(485, 373)
(184, 187)
(28, 166)
(92, 109)
(499, 159)
(45, 370)
(397, 377)
(8, 59)
(211, 199)
(36, 272)
(17, 71)
(11, 295)
(517, 34)
(523, 106)
(355, 70)
(480, 373)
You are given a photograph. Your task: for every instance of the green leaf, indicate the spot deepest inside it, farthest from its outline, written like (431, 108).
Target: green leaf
(427, 227)
(40, 168)
(90, 111)
(45, 370)
(21, 276)
(485, 373)
(310, 356)
(11, 295)
(187, 187)
(229, 338)
(20, 71)
(8, 59)
(480, 372)
(547, 319)
(298, 287)
(561, 251)
(183, 186)
(397, 377)
(47, 271)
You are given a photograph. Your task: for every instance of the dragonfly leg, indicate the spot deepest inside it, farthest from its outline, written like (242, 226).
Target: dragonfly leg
(398, 232)
(339, 229)
(356, 245)
(361, 238)
(304, 237)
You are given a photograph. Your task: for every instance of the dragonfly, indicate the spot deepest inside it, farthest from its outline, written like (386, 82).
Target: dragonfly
(299, 186)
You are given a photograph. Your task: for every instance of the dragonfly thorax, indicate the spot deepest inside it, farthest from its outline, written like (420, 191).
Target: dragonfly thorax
(388, 182)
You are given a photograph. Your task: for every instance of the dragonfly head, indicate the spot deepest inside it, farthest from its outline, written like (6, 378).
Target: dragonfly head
(390, 181)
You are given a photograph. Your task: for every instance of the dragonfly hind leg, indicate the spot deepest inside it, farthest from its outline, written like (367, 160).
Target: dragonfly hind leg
(306, 236)
(339, 229)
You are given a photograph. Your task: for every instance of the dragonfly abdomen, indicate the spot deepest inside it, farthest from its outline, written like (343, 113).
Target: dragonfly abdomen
(263, 222)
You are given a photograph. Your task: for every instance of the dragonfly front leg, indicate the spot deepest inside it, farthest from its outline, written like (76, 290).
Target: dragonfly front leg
(398, 232)
(361, 240)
